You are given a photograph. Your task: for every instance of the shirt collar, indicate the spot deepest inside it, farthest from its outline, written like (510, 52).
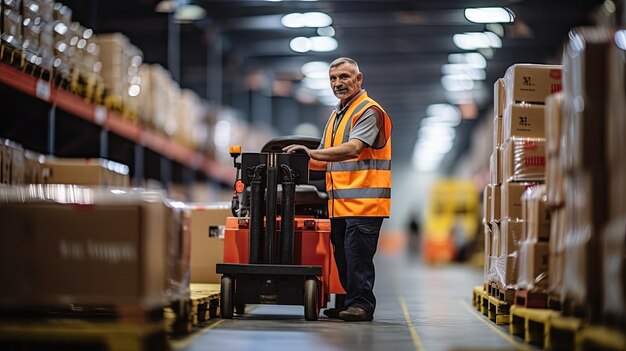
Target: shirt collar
(341, 109)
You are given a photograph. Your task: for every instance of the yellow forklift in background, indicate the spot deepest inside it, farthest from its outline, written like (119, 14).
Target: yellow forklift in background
(451, 220)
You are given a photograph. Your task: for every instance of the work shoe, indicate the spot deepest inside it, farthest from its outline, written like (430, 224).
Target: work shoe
(355, 314)
(332, 312)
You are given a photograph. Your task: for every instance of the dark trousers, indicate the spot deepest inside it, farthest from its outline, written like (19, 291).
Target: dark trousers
(355, 241)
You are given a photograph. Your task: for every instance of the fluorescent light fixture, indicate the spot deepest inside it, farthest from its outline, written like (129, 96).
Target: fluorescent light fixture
(462, 68)
(309, 19)
(326, 31)
(438, 132)
(489, 15)
(316, 70)
(496, 28)
(477, 40)
(300, 44)
(444, 114)
(620, 39)
(457, 82)
(189, 12)
(222, 134)
(473, 59)
(323, 44)
(165, 6)
(316, 83)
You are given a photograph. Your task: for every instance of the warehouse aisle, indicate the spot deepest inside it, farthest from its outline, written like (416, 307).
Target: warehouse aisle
(419, 308)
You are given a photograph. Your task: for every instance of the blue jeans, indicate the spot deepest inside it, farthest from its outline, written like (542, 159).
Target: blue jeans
(355, 240)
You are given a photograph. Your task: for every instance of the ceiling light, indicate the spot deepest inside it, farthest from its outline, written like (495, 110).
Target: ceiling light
(444, 113)
(496, 28)
(473, 59)
(477, 40)
(300, 44)
(620, 39)
(316, 83)
(165, 6)
(489, 15)
(438, 132)
(189, 12)
(326, 31)
(457, 82)
(313, 68)
(309, 19)
(323, 44)
(462, 68)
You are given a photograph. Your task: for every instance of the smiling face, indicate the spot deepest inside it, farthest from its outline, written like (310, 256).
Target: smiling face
(345, 80)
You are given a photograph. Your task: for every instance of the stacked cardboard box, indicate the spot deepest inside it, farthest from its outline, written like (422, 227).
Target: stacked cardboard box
(533, 247)
(11, 23)
(60, 28)
(521, 161)
(64, 245)
(584, 163)
(206, 222)
(613, 251)
(120, 71)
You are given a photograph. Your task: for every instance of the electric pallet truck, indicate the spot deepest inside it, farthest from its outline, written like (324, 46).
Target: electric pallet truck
(277, 246)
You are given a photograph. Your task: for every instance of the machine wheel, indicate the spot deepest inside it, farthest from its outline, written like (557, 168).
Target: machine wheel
(226, 297)
(240, 309)
(311, 300)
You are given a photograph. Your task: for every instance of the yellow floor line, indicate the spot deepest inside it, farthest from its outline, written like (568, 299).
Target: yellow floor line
(516, 344)
(416, 339)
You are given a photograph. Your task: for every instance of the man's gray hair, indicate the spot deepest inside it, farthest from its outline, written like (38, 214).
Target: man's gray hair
(343, 60)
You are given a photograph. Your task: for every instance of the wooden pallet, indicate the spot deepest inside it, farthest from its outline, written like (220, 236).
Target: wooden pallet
(502, 294)
(600, 338)
(498, 310)
(531, 298)
(562, 332)
(532, 324)
(63, 334)
(207, 298)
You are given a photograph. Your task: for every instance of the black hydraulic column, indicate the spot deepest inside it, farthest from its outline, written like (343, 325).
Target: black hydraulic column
(270, 218)
(257, 191)
(288, 213)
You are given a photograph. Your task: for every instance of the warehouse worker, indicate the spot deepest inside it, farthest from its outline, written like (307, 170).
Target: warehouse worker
(356, 153)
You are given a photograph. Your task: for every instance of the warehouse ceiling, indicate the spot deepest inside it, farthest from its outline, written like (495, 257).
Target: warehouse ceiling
(400, 46)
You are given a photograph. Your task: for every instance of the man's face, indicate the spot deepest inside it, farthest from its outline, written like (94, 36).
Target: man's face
(345, 81)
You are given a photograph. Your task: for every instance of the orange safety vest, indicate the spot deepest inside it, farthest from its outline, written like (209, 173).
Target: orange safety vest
(359, 187)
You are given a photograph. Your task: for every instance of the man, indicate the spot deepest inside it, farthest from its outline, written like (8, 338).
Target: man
(356, 153)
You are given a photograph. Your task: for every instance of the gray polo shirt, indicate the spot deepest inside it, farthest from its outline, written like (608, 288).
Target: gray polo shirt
(367, 128)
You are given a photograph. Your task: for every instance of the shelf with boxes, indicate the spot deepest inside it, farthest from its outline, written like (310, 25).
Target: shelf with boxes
(38, 101)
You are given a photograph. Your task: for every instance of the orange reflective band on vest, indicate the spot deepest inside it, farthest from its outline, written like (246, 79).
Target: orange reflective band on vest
(359, 187)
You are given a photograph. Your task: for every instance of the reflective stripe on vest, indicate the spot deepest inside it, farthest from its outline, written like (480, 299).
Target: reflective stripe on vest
(362, 193)
(359, 187)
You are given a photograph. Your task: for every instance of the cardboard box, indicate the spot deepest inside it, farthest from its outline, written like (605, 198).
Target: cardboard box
(94, 172)
(495, 238)
(524, 159)
(587, 198)
(614, 271)
(206, 223)
(536, 214)
(11, 27)
(585, 60)
(616, 104)
(553, 120)
(510, 236)
(487, 203)
(533, 265)
(531, 83)
(582, 276)
(495, 168)
(507, 269)
(496, 203)
(488, 239)
(63, 245)
(512, 199)
(497, 132)
(499, 97)
(6, 163)
(617, 192)
(524, 121)
(554, 181)
(558, 228)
